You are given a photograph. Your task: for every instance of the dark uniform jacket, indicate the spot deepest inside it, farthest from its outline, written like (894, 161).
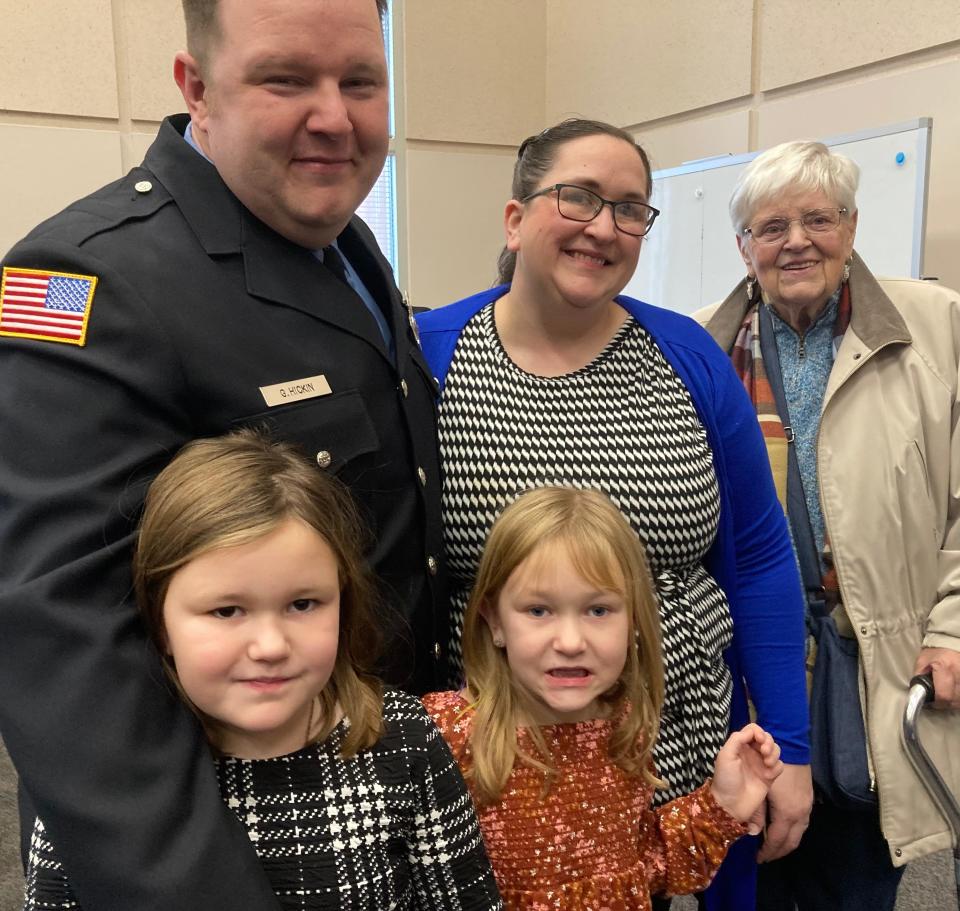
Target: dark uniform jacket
(198, 305)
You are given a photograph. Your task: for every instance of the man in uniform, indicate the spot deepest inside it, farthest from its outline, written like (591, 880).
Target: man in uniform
(225, 282)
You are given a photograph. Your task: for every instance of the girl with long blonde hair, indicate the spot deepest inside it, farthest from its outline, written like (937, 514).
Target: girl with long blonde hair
(555, 727)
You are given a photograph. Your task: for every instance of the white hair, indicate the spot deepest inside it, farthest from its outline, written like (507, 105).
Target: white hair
(791, 166)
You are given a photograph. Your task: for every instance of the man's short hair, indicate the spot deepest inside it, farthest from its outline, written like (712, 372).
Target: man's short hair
(203, 26)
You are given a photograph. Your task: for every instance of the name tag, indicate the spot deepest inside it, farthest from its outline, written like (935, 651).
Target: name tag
(295, 390)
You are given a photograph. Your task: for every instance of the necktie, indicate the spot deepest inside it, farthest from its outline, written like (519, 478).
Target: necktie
(334, 262)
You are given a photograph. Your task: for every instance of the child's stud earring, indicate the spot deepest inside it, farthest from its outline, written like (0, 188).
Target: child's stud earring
(498, 642)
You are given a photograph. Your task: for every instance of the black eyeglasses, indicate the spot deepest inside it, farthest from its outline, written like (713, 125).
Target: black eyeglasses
(581, 204)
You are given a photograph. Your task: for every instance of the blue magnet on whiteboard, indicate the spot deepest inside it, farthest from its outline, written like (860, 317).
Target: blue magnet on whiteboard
(901, 158)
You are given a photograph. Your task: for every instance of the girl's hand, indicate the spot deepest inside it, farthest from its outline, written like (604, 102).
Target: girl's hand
(746, 766)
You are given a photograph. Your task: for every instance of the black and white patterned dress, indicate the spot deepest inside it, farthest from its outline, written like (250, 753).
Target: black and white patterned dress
(624, 424)
(392, 827)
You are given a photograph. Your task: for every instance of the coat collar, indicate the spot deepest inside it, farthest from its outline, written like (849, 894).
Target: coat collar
(276, 269)
(875, 320)
(211, 210)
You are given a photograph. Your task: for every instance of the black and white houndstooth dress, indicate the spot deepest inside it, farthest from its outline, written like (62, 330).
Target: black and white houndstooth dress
(392, 827)
(624, 424)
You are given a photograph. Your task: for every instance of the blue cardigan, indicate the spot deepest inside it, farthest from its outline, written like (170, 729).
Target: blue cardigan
(751, 558)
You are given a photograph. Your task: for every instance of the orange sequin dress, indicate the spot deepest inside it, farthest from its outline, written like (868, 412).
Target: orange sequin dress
(593, 842)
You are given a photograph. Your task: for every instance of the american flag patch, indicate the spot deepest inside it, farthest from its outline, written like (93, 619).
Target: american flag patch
(53, 306)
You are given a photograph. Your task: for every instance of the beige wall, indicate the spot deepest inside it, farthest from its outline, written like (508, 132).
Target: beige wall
(152, 32)
(474, 70)
(58, 57)
(455, 238)
(633, 61)
(83, 87)
(84, 83)
(47, 167)
(474, 77)
(833, 37)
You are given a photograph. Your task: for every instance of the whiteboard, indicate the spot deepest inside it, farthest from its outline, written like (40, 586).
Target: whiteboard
(689, 259)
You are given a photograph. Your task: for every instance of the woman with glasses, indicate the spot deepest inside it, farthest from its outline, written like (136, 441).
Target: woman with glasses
(554, 378)
(854, 382)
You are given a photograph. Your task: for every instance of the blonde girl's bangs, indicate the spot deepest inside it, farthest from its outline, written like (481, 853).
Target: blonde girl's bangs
(595, 560)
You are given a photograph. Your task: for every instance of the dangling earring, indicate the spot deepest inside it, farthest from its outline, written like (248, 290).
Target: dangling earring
(751, 287)
(498, 642)
(846, 271)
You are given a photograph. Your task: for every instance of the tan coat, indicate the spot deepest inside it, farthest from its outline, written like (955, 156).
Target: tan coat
(888, 456)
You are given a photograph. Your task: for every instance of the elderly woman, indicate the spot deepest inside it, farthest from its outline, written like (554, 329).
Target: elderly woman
(552, 378)
(854, 382)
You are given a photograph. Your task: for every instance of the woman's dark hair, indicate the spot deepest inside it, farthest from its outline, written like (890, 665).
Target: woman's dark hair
(536, 156)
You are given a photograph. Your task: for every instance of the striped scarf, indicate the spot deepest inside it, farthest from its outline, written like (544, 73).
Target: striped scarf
(747, 358)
